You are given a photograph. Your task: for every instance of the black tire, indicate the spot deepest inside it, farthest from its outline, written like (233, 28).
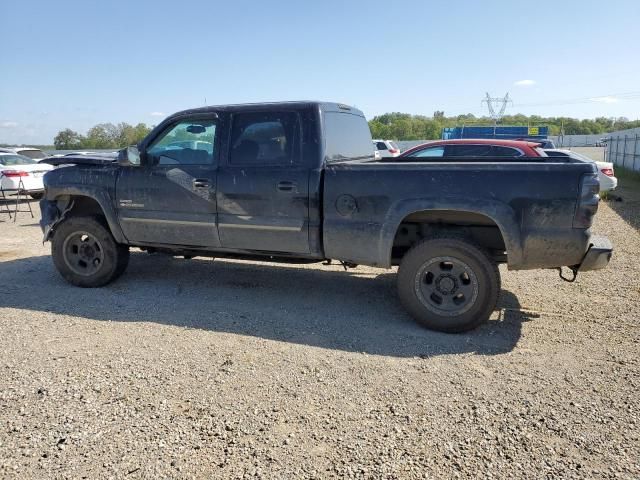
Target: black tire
(86, 254)
(448, 284)
(36, 196)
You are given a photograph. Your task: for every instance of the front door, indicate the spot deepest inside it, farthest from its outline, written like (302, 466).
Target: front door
(171, 198)
(263, 187)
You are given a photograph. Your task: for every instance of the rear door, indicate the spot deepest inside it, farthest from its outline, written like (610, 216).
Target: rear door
(263, 187)
(170, 199)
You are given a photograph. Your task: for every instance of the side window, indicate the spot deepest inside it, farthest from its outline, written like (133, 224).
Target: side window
(430, 152)
(269, 138)
(189, 142)
(468, 150)
(381, 146)
(498, 151)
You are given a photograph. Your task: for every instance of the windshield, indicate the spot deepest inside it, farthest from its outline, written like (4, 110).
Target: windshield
(10, 160)
(37, 154)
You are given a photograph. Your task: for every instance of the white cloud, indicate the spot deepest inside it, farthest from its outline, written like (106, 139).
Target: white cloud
(525, 83)
(607, 99)
(8, 124)
(157, 114)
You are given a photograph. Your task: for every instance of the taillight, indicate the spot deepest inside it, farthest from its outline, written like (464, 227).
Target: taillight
(588, 201)
(14, 173)
(607, 171)
(393, 150)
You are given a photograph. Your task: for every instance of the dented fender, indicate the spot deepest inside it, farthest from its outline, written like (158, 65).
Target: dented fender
(63, 186)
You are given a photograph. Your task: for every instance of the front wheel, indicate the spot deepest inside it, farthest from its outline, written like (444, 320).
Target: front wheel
(86, 254)
(448, 284)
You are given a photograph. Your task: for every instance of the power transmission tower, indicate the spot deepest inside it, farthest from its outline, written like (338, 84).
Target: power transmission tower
(497, 101)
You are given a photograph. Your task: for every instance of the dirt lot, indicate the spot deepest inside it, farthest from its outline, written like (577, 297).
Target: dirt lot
(224, 369)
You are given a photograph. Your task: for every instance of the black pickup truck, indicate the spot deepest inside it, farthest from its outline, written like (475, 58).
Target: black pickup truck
(298, 182)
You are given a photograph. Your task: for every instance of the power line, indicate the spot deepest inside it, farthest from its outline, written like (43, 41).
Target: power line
(595, 98)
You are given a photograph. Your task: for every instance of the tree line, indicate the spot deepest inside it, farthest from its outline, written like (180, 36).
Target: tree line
(101, 136)
(396, 126)
(404, 126)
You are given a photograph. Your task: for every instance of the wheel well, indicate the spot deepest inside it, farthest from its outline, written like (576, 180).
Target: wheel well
(85, 206)
(433, 223)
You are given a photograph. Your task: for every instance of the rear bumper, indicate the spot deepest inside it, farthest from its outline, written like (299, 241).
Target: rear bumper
(598, 254)
(608, 184)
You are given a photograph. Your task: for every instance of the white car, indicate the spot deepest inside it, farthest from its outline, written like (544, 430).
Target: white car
(606, 174)
(387, 148)
(20, 174)
(30, 152)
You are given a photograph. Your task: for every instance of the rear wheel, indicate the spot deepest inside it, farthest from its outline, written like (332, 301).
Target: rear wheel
(448, 284)
(86, 254)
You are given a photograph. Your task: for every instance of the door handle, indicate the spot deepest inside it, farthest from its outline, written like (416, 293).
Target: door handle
(201, 183)
(287, 186)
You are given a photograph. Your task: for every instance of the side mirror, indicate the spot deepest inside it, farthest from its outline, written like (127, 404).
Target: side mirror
(129, 157)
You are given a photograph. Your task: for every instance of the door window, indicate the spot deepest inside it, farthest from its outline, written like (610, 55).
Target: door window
(381, 146)
(468, 150)
(268, 138)
(499, 151)
(189, 142)
(431, 152)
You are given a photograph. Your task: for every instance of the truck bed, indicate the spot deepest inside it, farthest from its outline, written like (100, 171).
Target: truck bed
(534, 217)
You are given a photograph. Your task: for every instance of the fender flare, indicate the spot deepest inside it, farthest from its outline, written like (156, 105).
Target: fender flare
(101, 197)
(500, 213)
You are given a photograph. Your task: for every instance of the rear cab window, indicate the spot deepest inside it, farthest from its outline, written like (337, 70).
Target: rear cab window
(347, 137)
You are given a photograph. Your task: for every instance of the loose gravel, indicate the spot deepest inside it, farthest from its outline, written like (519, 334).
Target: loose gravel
(231, 369)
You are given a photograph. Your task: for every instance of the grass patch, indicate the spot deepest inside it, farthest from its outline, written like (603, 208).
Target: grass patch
(627, 177)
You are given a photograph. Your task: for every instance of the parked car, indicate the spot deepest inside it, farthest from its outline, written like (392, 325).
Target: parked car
(606, 173)
(472, 148)
(20, 174)
(387, 148)
(34, 153)
(297, 182)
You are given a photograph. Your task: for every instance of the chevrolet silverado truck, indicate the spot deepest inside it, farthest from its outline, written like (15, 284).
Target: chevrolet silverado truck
(298, 182)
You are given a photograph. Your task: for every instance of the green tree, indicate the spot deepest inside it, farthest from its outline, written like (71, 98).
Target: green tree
(68, 139)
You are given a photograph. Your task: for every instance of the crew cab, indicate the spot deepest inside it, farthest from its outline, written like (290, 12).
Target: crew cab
(298, 182)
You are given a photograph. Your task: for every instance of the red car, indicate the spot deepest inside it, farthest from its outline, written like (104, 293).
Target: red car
(473, 148)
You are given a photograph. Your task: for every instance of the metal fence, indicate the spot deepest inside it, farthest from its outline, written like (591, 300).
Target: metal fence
(624, 150)
(568, 141)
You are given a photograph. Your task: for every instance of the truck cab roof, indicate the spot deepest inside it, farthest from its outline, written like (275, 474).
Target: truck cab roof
(294, 105)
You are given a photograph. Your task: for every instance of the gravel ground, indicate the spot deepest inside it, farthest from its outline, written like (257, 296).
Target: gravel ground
(229, 369)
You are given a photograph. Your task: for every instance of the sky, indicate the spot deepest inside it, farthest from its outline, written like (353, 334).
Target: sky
(73, 64)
